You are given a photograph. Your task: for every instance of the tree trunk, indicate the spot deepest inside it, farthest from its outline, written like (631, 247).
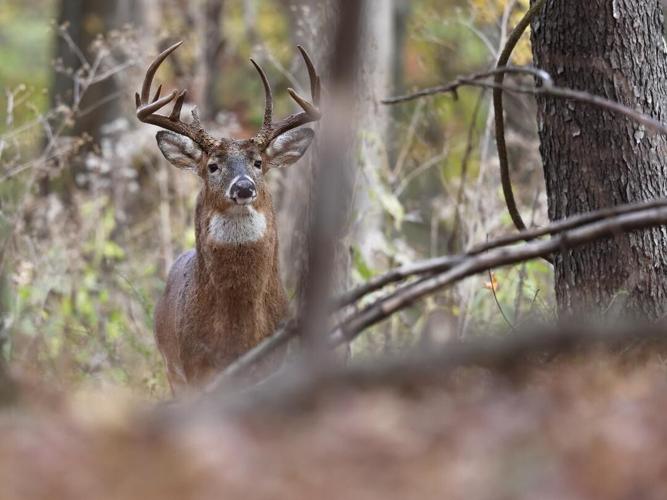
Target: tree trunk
(212, 43)
(85, 21)
(593, 158)
(376, 81)
(295, 200)
(96, 105)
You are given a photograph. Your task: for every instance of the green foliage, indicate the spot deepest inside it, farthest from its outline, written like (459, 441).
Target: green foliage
(79, 315)
(25, 52)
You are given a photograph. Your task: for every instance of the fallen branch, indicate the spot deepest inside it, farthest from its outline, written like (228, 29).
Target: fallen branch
(499, 257)
(440, 264)
(510, 354)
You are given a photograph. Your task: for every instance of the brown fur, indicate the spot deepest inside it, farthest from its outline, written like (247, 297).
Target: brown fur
(220, 300)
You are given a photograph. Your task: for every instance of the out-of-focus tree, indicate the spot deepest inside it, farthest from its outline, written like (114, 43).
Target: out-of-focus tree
(377, 76)
(212, 45)
(77, 49)
(80, 23)
(375, 81)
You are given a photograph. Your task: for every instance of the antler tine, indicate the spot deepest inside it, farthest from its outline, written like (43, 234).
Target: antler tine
(311, 113)
(176, 112)
(268, 95)
(157, 93)
(152, 69)
(146, 109)
(312, 74)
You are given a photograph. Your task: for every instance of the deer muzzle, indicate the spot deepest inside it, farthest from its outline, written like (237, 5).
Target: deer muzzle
(243, 191)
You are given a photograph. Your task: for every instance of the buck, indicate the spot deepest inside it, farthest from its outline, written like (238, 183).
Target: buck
(225, 296)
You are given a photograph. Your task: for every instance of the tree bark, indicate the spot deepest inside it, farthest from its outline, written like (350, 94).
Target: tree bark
(294, 199)
(213, 43)
(594, 159)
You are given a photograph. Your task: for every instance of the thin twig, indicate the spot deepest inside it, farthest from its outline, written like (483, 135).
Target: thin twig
(498, 110)
(518, 301)
(495, 297)
(409, 140)
(427, 165)
(64, 34)
(465, 161)
(547, 88)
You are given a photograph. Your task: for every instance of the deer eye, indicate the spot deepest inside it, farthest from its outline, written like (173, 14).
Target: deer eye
(258, 163)
(213, 167)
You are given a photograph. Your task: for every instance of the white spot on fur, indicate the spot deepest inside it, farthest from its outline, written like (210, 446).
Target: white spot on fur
(231, 184)
(239, 226)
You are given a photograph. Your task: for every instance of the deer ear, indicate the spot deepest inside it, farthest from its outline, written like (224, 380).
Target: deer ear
(289, 147)
(179, 150)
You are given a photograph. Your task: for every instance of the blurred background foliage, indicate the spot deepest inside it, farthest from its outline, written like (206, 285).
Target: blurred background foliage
(91, 216)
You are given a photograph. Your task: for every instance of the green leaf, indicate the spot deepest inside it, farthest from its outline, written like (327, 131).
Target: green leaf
(392, 205)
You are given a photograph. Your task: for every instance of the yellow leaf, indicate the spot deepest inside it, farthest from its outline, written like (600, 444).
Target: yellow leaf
(493, 284)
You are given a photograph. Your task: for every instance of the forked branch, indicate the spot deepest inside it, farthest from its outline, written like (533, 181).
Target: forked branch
(498, 257)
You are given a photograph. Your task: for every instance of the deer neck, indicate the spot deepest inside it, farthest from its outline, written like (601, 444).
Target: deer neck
(237, 248)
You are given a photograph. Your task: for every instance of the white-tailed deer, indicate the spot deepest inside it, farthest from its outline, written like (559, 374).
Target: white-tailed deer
(225, 296)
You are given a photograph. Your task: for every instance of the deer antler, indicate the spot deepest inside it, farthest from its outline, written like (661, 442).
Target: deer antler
(146, 109)
(310, 113)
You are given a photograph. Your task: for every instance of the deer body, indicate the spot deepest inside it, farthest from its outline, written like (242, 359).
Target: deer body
(225, 296)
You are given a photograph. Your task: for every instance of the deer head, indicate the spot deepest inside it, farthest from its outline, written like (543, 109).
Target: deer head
(232, 170)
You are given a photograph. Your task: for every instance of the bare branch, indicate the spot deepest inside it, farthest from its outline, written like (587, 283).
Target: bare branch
(547, 88)
(260, 351)
(498, 257)
(474, 79)
(499, 117)
(440, 264)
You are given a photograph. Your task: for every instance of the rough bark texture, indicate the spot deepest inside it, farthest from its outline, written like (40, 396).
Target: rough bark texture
(594, 159)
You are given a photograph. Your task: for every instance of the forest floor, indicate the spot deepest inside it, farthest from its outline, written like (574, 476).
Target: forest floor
(581, 426)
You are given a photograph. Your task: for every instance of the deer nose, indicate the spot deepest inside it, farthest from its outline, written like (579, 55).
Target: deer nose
(243, 191)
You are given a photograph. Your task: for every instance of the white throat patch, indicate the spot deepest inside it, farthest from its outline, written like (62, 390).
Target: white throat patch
(242, 225)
